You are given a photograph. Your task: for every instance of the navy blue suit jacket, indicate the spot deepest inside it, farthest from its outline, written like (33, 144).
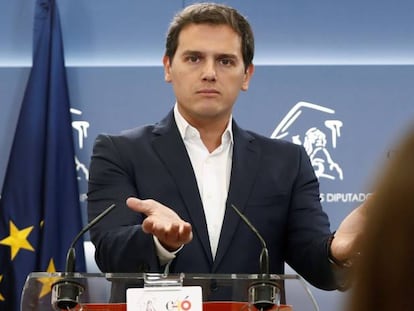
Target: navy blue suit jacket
(272, 183)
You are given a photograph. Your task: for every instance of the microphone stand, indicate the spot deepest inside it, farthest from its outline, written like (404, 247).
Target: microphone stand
(263, 294)
(66, 292)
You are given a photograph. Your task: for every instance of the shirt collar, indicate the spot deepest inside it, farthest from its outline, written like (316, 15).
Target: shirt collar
(186, 130)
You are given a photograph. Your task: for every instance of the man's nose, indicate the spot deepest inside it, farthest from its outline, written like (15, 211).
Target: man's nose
(209, 71)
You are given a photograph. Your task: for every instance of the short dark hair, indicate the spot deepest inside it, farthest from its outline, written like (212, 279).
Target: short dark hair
(215, 14)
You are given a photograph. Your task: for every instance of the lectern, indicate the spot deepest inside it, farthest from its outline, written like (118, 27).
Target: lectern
(108, 292)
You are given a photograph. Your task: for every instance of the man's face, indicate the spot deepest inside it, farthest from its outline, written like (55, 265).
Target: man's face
(207, 72)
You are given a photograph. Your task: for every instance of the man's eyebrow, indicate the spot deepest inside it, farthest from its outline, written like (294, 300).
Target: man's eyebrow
(227, 55)
(219, 55)
(192, 52)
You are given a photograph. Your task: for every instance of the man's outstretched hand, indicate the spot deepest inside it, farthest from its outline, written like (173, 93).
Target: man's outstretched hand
(162, 222)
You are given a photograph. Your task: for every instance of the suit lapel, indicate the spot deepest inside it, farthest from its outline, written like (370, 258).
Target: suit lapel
(171, 149)
(246, 154)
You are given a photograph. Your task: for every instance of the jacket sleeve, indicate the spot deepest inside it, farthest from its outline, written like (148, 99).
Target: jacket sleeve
(121, 245)
(309, 229)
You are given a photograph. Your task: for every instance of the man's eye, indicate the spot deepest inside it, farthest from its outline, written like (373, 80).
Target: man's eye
(226, 61)
(193, 59)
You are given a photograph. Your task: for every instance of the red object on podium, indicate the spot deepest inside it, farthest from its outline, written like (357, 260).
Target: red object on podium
(207, 306)
(237, 306)
(104, 307)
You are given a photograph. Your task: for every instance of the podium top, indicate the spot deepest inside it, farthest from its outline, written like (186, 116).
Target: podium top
(110, 288)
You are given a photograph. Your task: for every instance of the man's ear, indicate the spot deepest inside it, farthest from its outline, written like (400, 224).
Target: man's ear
(167, 68)
(247, 76)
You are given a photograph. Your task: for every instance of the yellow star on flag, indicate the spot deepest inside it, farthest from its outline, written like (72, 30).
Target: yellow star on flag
(18, 239)
(1, 296)
(47, 282)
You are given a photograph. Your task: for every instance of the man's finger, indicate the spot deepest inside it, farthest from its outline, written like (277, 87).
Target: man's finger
(138, 205)
(186, 233)
(148, 226)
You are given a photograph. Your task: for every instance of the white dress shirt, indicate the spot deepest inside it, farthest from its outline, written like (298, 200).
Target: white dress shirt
(212, 172)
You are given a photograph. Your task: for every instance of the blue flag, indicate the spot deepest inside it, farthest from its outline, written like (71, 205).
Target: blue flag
(39, 206)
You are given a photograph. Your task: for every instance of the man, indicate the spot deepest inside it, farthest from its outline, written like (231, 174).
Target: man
(174, 182)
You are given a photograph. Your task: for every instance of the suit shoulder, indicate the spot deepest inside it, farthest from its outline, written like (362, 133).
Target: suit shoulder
(268, 142)
(128, 134)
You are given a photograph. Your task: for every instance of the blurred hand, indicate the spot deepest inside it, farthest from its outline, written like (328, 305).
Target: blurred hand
(347, 242)
(163, 222)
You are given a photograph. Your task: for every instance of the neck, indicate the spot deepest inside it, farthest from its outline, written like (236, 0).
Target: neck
(211, 140)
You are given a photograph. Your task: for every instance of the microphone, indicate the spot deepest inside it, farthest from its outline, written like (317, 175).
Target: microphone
(263, 294)
(66, 292)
